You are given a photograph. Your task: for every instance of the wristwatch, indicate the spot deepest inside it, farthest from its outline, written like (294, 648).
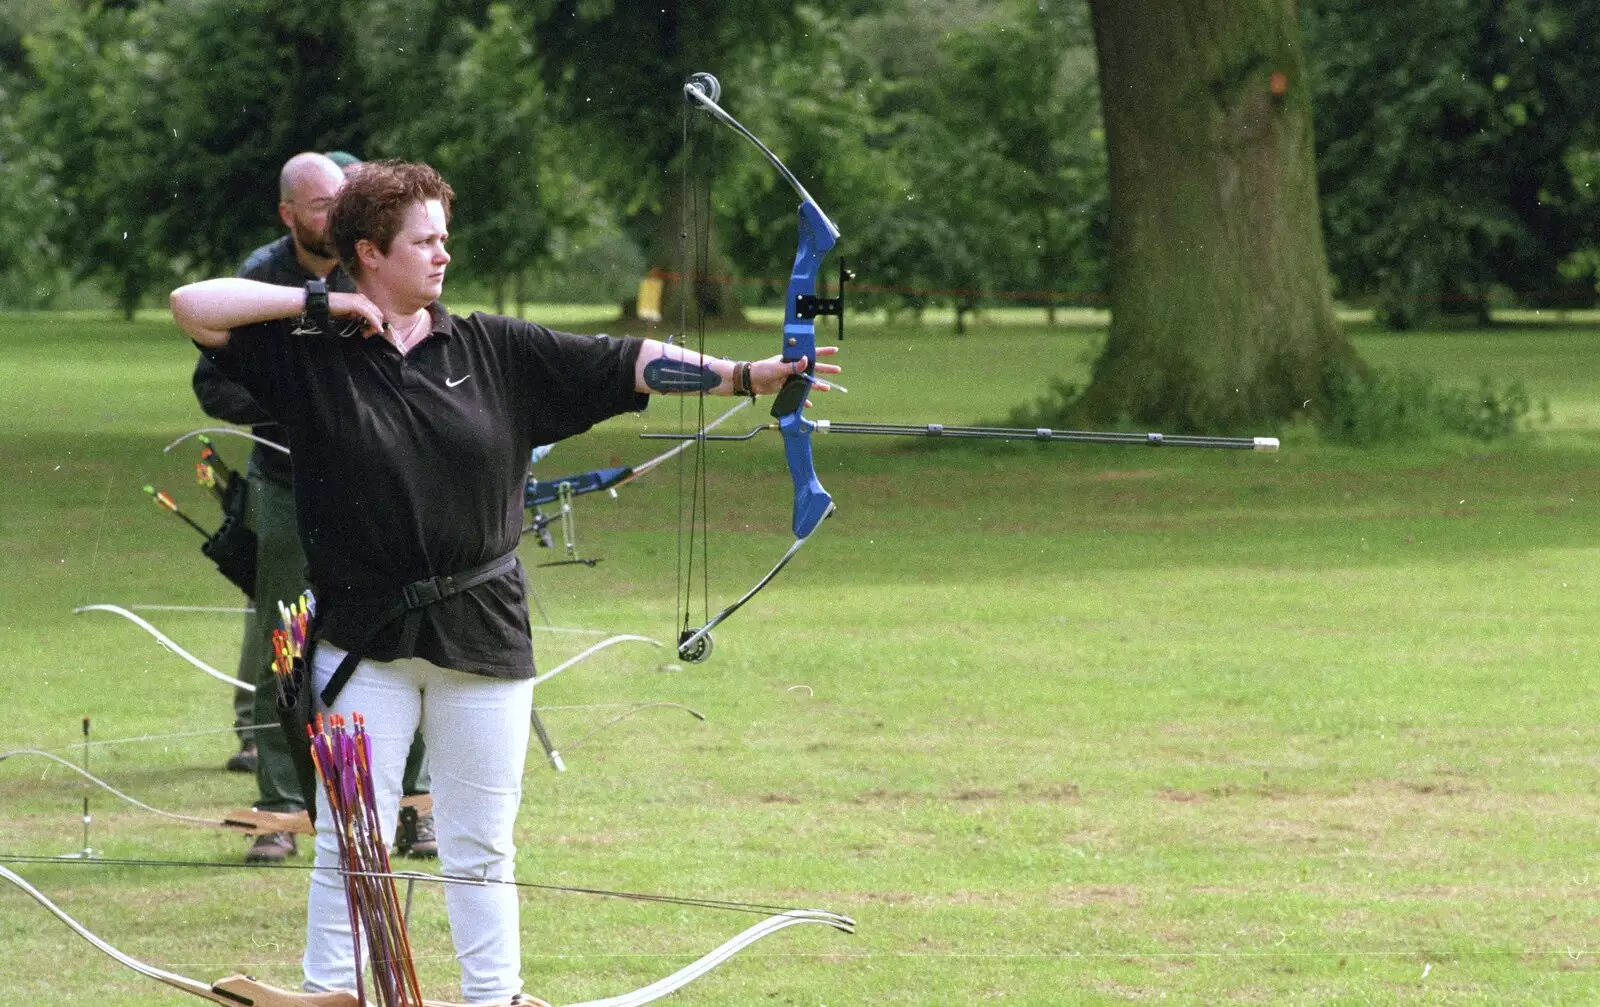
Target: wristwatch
(317, 303)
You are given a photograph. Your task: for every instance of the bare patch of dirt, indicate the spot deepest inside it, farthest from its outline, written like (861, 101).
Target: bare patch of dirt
(1062, 791)
(977, 794)
(1057, 791)
(880, 795)
(1444, 788)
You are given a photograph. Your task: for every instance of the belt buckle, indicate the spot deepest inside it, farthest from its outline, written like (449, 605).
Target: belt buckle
(422, 593)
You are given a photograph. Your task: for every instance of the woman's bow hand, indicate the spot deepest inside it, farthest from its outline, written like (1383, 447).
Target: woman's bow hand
(768, 376)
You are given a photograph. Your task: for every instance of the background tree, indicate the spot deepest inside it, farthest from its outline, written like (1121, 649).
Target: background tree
(609, 61)
(817, 105)
(1444, 132)
(486, 126)
(958, 143)
(30, 270)
(1028, 98)
(1221, 313)
(95, 114)
(1583, 167)
(954, 229)
(260, 81)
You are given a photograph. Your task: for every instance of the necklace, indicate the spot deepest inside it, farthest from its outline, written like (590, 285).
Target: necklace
(403, 343)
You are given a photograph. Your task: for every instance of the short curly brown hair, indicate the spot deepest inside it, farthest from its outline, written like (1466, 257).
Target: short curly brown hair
(372, 202)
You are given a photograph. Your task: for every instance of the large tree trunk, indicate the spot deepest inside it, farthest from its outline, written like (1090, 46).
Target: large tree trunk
(694, 268)
(129, 293)
(1221, 313)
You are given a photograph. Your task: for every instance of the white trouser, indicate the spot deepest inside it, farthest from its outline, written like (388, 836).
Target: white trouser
(476, 730)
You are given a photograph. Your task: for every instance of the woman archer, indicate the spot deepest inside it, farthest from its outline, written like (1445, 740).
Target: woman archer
(411, 439)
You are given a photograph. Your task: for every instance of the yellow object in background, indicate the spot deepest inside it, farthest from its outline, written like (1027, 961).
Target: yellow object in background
(649, 302)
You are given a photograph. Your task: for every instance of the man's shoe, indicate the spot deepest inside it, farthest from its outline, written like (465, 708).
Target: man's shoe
(527, 1000)
(244, 760)
(415, 837)
(271, 848)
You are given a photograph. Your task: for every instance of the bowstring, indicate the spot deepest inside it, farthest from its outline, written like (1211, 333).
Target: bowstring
(752, 908)
(703, 456)
(695, 208)
(685, 271)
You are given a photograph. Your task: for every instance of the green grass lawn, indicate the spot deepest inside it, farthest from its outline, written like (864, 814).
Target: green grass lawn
(1056, 724)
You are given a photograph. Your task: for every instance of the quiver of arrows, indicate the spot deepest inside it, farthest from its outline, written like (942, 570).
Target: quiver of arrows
(232, 547)
(296, 695)
(343, 756)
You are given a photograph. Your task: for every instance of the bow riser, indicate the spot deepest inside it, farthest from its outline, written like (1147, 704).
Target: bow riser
(817, 236)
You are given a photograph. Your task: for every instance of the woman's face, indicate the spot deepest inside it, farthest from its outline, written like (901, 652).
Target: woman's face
(414, 265)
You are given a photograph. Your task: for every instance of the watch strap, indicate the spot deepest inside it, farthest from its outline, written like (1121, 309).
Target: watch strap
(317, 303)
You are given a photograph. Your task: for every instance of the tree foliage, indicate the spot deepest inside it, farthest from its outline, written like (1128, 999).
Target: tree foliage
(1445, 132)
(160, 160)
(95, 113)
(1030, 164)
(958, 142)
(628, 111)
(262, 80)
(490, 132)
(620, 66)
(962, 154)
(30, 263)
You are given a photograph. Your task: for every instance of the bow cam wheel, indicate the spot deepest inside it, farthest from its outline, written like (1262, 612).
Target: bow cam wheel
(697, 651)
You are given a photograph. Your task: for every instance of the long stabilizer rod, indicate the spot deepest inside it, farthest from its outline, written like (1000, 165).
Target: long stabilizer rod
(1153, 440)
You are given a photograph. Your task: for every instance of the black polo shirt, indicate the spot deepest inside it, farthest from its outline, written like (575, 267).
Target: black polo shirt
(414, 466)
(274, 262)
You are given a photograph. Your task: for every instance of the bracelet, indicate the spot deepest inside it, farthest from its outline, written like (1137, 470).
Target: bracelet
(741, 379)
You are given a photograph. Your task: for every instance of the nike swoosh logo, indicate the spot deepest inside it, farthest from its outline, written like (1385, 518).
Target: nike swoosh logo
(451, 384)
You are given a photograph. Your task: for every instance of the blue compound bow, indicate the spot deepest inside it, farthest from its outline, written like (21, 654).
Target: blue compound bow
(801, 307)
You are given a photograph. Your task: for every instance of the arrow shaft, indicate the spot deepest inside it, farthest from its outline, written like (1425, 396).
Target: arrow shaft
(1153, 440)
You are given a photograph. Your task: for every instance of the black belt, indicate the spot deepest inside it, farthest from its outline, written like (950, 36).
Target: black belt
(413, 599)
